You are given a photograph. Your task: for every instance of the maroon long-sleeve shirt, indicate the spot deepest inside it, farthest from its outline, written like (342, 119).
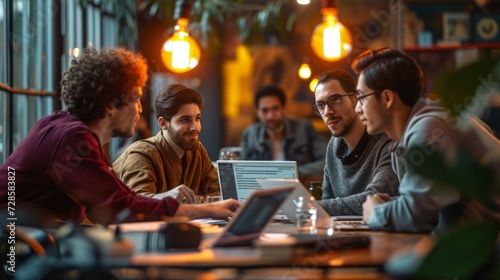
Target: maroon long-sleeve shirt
(61, 167)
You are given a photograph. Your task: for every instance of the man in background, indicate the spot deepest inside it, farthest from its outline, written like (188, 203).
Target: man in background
(275, 137)
(60, 166)
(173, 163)
(357, 164)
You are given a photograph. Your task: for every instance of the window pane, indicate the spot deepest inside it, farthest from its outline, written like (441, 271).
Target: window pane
(20, 111)
(20, 41)
(3, 125)
(3, 45)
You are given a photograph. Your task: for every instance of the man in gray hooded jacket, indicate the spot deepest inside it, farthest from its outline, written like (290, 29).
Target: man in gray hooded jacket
(389, 90)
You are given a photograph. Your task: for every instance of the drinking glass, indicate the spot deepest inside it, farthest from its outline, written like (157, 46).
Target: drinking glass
(212, 198)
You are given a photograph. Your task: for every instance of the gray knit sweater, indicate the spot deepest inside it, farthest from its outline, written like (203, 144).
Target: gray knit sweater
(366, 170)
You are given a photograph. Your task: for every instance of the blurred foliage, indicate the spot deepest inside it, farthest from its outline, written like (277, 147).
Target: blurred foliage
(464, 253)
(471, 250)
(458, 88)
(206, 17)
(464, 174)
(255, 19)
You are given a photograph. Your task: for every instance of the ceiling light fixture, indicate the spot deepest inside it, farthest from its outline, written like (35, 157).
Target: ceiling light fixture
(181, 53)
(331, 40)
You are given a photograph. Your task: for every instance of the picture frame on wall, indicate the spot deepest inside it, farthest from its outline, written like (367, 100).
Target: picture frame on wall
(486, 28)
(456, 27)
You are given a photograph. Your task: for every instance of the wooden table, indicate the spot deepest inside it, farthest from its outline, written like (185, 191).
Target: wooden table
(317, 264)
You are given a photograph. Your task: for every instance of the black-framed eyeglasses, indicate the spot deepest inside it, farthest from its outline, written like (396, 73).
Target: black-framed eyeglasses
(333, 102)
(361, 97)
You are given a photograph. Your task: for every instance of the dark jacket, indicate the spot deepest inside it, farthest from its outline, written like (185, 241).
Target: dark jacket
(302, 144)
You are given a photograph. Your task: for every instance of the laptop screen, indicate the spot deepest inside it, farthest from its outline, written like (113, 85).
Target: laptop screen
(238, 178)
(253, 217)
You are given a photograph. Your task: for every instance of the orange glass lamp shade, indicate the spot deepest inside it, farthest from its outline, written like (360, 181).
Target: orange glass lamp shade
(304, 71)
(180, 53)
(331, 40)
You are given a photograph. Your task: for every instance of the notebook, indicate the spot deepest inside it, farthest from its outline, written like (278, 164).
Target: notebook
(249, 222)
(238, 178)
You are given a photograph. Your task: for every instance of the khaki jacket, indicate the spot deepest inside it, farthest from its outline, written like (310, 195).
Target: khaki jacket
(151, 166)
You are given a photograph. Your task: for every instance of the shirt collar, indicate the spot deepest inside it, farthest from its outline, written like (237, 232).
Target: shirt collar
(355, 154)
(178, 150)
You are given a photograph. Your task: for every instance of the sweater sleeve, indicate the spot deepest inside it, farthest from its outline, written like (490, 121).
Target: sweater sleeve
(137, 171)
(80, 171)
(418, 207)
(326, 187)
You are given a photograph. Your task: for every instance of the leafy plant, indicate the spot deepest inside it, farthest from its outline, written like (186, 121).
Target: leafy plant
(254, 21)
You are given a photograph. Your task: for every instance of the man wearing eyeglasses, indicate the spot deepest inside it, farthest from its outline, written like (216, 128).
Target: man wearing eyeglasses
(357, 164)
(275, 137)
(389, 90)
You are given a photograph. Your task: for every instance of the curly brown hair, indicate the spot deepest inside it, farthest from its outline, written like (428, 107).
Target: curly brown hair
(101, 78)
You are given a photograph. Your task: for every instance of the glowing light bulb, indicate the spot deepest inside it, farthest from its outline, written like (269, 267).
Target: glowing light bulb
(303, 2)
(313, 84)
(331, 40)
(180, 53)
(304, 71)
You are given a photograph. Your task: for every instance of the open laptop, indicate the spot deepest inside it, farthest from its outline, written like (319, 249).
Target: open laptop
(249, 222)
(238, 178)
(290, 205)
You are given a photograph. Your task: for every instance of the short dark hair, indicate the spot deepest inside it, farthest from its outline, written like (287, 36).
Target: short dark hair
(390, 69)
(345, 79)
(100, 78)
(269, 90)
(171, 98)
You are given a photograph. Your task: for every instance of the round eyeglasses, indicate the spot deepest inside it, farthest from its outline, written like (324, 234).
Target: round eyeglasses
(333, 102)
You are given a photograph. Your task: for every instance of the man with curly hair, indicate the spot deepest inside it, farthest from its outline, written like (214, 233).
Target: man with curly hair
(61, 167)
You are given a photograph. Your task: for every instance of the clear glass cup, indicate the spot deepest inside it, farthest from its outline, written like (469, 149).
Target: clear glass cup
(212, 198)
(331, 226)
(200, 199)
(306, 215)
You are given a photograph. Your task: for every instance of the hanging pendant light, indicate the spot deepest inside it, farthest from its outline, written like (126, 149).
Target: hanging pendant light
(181, 53)
(305, 69)
(331, 40)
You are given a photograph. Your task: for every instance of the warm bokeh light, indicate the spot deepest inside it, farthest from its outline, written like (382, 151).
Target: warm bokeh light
(304, 71)
(303, 2)
(313, 84)
(180, 53)
(75, 52)
(331, 40)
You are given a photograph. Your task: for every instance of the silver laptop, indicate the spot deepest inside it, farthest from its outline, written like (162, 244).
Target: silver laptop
(253, 217)
(238, 178)
(290, 205)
